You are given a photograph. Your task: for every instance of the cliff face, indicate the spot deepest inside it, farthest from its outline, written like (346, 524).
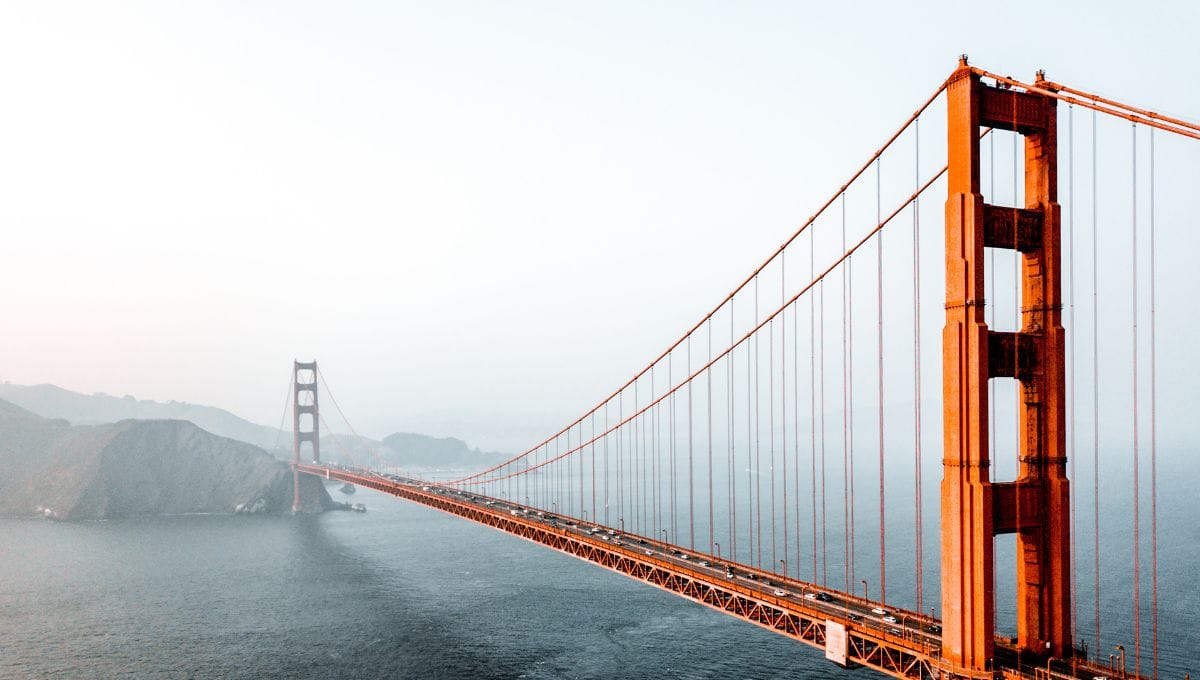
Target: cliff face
(137, 467)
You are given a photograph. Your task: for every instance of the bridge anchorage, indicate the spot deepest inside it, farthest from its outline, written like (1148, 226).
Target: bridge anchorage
(664, 480)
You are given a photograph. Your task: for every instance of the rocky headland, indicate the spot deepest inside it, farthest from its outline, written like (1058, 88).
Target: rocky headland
(129, 468)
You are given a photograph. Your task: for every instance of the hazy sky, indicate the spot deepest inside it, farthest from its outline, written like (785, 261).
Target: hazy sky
(479, 217)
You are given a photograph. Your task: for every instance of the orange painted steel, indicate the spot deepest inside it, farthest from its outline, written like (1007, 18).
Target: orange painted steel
(299, 436)
(1107, 106)
(903, 655)
(1035, 506)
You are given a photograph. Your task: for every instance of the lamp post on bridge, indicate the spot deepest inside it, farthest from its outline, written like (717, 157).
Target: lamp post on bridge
(866, 596)
(553, 507)
(1121, 649)
(718, 551)
(784, 563)
(622, 520)
(585, 515)
(665, 538)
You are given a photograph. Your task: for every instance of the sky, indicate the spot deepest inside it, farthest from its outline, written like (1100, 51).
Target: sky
(480, 217)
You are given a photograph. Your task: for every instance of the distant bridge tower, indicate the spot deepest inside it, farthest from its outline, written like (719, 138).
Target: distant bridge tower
(304, 402)
(1036, 505)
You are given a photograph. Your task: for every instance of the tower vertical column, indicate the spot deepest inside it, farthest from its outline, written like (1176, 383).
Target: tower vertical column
(1036, 505)
(1043, 549)
(968, 605)
(304, 402)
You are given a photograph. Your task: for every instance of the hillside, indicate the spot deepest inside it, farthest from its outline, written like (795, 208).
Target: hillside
(51, 401)
(132, 467)
(419, 451)
(402, 450)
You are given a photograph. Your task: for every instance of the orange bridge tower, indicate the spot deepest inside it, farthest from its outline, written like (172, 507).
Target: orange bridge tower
(304, 403)
(1036, 505)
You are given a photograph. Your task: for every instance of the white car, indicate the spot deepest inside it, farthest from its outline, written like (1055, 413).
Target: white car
(780, 593)
(810, 596)
(889, 618)
(879, 610)
(649, 552)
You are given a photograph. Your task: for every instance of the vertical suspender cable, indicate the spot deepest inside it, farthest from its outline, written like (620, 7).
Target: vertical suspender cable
(671, 429)
(783, 401)
(1153, 425)
(1137, 562)
(845, 411)
(757, 435)
(850, 392)
(593, 440)
(652, 450)
(917, 364)
(879, 309)
(750, 420)
(812, 381)
(691, 457)
(631, 466)
(620, 460)
(606, 519)
(708, 374)
(821, 366)
(1071, 356)
(1095, 394)
(771, 429)
(642, 455)
(796, 422)
(733, 542)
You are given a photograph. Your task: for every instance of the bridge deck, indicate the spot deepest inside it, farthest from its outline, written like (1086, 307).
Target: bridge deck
(905, 645)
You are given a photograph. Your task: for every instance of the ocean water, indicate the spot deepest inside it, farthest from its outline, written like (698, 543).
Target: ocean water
(399, 592)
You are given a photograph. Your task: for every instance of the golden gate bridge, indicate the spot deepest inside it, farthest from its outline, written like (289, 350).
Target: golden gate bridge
(752, 465)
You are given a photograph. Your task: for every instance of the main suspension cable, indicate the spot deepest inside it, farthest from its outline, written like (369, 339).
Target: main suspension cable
(771, 258)
(473, 479)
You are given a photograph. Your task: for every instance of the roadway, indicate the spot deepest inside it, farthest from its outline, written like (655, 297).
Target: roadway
(908, 632)
(769, 586)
